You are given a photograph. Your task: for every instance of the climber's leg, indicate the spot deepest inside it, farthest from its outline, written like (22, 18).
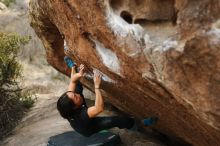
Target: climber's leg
(104, 123)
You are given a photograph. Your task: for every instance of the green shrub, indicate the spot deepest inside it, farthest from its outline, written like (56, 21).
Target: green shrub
(13, 102)
(28, 99)
(7, 2)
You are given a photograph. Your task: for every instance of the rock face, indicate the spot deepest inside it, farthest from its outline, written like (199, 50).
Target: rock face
(158, 57)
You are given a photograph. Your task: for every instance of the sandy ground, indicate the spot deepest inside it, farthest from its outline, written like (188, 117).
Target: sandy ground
(43, 120)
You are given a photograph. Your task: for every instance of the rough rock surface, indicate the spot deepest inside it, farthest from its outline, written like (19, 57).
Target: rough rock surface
(157, 57)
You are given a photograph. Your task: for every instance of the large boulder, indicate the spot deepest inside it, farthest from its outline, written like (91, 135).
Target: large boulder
(157, 57)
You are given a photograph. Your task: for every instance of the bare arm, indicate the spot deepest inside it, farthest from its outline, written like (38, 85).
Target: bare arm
(99, 103)
(74, 77)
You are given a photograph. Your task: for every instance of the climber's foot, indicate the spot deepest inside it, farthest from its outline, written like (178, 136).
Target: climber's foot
(69, 62)
(150, 121)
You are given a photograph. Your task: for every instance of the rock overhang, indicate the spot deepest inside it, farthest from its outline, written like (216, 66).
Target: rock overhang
(163, 60)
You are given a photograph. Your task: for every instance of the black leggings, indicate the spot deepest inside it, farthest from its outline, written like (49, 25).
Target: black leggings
(103, 123)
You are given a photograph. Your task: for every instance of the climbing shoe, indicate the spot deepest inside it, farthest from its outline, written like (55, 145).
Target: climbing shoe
(69, 62)
(150, 121)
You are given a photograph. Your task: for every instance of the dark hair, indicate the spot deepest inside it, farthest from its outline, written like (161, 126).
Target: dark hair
(65, 106)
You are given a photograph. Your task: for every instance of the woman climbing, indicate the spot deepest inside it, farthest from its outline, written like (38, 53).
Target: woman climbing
(72, 106)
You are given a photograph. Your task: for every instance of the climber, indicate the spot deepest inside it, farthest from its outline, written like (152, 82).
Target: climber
(72, 106)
